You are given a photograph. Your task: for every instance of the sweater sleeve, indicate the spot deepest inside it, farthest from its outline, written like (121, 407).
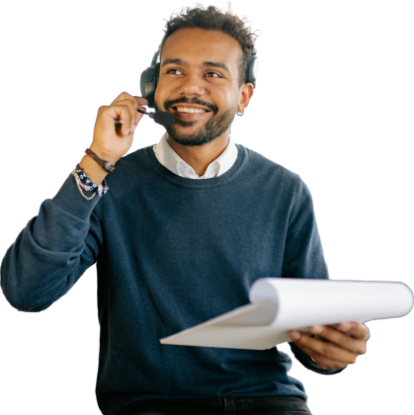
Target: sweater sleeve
(304, 258)
(53, 251)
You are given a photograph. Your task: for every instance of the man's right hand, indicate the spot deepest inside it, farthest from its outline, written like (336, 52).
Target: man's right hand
(111, 141)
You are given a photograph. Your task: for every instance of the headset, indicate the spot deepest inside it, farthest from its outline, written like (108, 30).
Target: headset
(149, 78)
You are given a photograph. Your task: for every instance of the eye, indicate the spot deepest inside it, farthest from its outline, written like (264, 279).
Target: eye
(173, 69)
(215, 73)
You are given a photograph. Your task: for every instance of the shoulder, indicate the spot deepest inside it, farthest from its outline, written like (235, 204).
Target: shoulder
(274, 172)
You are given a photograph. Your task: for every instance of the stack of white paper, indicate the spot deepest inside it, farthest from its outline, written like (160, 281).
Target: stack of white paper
(283, 304)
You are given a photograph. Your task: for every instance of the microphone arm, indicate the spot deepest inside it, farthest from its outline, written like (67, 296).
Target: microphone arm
(160, 117)
(165, 119)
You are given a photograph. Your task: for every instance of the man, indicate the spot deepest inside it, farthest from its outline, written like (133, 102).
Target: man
(186, 228)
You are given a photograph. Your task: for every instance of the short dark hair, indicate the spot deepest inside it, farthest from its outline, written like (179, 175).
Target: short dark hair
(213, 19)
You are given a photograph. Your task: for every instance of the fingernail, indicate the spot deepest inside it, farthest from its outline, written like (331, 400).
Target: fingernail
(316, 329)
(295, 335)
(133, 128)
(127, 132)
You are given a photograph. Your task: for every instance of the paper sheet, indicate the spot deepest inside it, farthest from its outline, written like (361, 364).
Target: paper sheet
(283, 304)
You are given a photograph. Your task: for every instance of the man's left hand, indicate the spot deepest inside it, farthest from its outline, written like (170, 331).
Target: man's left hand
(334, 348)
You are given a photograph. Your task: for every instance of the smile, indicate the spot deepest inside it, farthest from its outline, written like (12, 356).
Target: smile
(188, 112)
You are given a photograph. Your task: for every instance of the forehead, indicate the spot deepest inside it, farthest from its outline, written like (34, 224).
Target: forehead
(196, 45)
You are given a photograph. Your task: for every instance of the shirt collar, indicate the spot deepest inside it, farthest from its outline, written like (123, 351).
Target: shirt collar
(173, 162)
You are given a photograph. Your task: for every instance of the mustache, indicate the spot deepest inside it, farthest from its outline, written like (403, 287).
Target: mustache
(194, 100)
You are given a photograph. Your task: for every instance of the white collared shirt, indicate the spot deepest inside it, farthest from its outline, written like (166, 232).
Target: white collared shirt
(173, 162)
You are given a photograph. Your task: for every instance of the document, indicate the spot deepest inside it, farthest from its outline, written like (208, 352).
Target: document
(279, 305)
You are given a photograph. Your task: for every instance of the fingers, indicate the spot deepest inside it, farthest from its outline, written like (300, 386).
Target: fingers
(329, 350)
(127, 115)
(323, 361)
(356, 345)
(356, 330)
(125, 107)
(126, 95)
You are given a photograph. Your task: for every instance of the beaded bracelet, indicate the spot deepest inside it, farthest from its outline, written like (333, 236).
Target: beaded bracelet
(83, 182)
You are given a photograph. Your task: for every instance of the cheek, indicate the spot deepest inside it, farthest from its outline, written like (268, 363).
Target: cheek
(158, 97)
(163, 94)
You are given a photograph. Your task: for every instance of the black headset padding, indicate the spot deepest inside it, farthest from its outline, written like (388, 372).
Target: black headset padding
(149, 78)
(251, 74)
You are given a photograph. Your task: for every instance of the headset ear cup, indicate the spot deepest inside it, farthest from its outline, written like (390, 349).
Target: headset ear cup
(149, 80)
(147, 84)
(251, 74)
(157, 75)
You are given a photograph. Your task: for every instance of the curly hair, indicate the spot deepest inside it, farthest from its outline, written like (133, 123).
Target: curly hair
(213, 19)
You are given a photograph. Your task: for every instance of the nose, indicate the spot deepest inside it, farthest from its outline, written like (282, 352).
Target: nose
(192, 85)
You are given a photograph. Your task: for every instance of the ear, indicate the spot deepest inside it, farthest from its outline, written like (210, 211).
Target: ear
(246, 92)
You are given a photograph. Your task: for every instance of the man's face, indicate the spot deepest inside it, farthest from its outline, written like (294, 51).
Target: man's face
(198, 84)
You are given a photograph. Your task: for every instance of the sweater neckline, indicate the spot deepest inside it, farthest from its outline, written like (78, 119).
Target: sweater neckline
(198, 183)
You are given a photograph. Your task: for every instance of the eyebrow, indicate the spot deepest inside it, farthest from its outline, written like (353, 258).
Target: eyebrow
(204, 64)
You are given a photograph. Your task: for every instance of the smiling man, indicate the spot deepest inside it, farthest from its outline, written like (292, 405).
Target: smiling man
(199, 83)
(187, 227)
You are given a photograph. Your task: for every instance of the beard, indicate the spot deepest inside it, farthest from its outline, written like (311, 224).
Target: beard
(214, 128)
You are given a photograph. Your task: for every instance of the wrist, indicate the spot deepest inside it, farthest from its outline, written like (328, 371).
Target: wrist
(104, 155)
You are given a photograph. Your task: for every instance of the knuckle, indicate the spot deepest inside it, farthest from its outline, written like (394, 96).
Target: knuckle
(304, 340)
(362, 350)
(121, 97)
(344, 341)
(327, 350)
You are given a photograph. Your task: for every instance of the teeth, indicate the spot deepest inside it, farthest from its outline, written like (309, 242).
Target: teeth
(191, 110)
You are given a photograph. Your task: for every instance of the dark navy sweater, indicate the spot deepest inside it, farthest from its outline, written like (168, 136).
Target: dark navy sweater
(172, 252)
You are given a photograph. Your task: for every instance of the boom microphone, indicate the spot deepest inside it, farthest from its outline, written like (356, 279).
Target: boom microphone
(165, 119)
(160, 117)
